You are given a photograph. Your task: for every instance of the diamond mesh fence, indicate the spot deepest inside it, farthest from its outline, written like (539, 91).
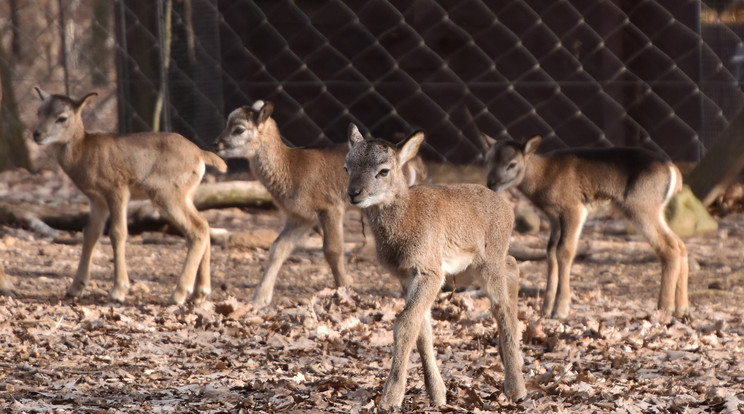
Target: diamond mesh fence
(663, 75)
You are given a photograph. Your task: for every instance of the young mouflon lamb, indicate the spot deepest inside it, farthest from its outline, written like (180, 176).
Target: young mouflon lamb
(307, 184)
(428, 234)
(563, 184)
(110, 169)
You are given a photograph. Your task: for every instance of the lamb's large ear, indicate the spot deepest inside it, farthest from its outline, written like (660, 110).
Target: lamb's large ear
(490, 146)
(257, 105)
(354, 135)
(79, 105)
(265, 112)
(410, 147)
(531, 145)
(489, 140)
(43, 95)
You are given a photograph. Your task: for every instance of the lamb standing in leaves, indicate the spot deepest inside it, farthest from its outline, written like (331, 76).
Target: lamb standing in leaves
(111, 169)
(425, 235)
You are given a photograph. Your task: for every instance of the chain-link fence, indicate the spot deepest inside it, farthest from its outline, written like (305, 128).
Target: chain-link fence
(658, 74)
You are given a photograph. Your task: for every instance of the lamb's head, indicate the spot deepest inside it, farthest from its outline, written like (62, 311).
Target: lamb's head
(59, 119)
(375, 168)
(506, 162)
(240, 138)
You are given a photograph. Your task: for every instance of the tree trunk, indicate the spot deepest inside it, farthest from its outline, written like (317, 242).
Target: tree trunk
(15, 24)
(6, 288)
(99, 52)
(720, 166)
(138, 83)
(13, 151)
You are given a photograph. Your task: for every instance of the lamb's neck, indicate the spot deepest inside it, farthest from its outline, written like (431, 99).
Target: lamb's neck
(271, 163)
(533, 175)
(69, 154)
(389, 219)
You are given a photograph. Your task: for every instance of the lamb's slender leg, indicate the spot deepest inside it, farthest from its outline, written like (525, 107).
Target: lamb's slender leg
(194, 227)
(332, 223)
(6, 286)
(502, 288)
(203, 283)
(421, 292)
(509, 342)
(680, 298)
(294, 229)
(432, 377)
(117, 202)
(92, 232)
(425, 345)
(673, 255)
(571, 223)
(551, 286)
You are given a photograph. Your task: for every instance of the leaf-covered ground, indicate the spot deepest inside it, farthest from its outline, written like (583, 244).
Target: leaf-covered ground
(318, 349)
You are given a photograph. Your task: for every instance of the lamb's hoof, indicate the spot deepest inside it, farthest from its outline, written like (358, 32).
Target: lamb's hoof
(682, 312)
(392, 399)
(517, 393)
(179, 297)
(561, 313)
(387, 408)
(119, 294)
(439, 401)
(261, 300)
(9, 293)
(75, 290)
(260, 303)
(200, 296)
(546, 311)
(345, 282)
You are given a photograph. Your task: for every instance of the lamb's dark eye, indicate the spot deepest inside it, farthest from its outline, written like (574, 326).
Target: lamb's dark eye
(511, 165)
(383, 172)
(346, 169)
(61, 119)
(238, 130)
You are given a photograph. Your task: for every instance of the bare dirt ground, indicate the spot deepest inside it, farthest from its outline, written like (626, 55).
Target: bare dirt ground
(318, 349)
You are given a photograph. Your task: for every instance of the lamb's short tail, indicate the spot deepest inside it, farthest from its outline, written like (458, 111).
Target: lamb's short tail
(215, 161)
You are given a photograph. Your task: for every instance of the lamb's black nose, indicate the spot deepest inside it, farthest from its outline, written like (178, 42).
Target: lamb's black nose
(352, 194)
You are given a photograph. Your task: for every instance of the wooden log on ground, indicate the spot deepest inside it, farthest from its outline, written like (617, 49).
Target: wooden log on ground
(232, 194)
(46, 219)
(526, 254)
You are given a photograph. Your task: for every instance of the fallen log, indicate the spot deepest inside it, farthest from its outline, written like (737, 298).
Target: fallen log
(46, 219)
(526, 254)
(227, 194)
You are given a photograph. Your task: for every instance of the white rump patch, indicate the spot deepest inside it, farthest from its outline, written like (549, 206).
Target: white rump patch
(672, 184)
